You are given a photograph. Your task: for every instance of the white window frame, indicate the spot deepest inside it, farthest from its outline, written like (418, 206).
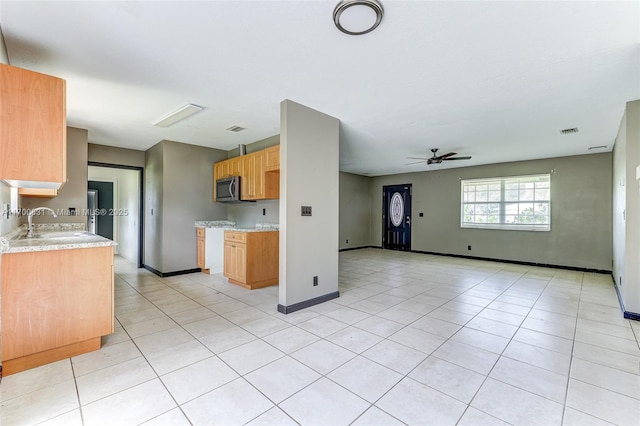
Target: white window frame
(503, 224)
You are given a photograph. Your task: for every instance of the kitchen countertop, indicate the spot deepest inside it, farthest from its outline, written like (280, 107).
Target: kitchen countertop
(253, 230)
(16, 242)
(229, 225)
(215, 224)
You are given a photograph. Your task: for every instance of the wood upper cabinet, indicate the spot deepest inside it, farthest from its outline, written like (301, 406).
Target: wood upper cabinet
(259, 172)
(226, 168)
(251, 258)
(272, 158)
(33, 129)
(253, 176)
(235, 166)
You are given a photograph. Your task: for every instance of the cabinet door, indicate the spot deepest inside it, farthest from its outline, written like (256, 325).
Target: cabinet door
(34, 127)
(240, 257)
(258, 175)
(216, 176)
(247, 179)
(235, 166)
(272, 158)
(200, 242)
(229, 262)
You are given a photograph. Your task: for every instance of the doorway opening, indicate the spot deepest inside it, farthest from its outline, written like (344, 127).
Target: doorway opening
(102, 195)
(119, 208)
(396, 217)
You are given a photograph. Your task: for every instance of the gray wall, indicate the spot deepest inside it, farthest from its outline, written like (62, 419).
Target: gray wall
(113, 155)
(308, 177)
(179, 188)
(580, 233)
(626, 208)
(355, 210)
(153, 192)
(4, 56)
(256, 146)
(187, 197)
(74, 192)
(246, 215)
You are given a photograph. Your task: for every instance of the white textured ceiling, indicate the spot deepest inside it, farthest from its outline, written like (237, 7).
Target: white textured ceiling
(494, 80)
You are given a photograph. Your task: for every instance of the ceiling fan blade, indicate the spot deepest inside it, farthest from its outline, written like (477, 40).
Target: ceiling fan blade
(457, 158)
(417, 158)
(444, 156)
(416, 162)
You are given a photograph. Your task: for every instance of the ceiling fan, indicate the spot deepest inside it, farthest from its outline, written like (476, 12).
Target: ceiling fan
(437, 159)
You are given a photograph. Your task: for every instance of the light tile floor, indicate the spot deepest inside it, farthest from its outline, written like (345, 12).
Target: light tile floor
(413, 339)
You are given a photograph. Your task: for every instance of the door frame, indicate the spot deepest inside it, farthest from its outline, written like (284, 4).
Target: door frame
(384, 207)
(141, 202)
(116, 223)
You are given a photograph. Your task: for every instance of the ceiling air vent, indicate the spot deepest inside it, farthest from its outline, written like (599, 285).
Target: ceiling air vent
(569, 131)
(235, 129)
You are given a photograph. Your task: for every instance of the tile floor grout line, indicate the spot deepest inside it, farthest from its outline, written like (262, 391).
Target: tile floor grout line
(75, 382)
(486, 376)
(411, 285)
(158, 377)
(406, 376)
(573, 344)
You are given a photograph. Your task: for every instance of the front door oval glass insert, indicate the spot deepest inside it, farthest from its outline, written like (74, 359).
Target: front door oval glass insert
(396, 209)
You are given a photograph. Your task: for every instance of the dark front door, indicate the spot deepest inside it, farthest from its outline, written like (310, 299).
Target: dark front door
(105, 207)
(396, 217)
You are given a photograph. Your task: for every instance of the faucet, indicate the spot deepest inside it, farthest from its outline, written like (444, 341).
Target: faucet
(30, 219)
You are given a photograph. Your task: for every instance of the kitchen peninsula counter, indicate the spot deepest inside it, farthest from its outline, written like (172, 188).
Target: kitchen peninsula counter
(57, 295)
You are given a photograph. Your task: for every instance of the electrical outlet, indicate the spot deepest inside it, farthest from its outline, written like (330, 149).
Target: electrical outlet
(347, 242)
(315, 281)
(468, 247)
(264, 212)
(421, 214)
(305, 211)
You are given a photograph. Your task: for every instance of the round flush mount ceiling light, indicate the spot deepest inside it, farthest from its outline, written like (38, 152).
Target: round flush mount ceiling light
(357, 17)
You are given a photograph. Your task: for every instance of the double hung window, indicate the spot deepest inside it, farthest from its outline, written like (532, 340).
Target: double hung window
(516, 203)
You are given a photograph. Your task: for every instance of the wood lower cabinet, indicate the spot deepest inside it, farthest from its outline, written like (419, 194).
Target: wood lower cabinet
(251, 258)
(201, 249)
(55, 304)
(33, 134)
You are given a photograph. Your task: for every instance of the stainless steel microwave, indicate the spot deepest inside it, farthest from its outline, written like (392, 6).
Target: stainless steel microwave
(228, 190)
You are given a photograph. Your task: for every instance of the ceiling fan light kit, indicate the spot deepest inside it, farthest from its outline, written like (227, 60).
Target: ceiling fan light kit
(357, 17)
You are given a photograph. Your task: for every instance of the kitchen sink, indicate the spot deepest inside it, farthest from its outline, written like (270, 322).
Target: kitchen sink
(60, 235)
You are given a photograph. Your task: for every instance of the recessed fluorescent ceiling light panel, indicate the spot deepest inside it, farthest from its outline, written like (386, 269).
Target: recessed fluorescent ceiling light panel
(177, 115)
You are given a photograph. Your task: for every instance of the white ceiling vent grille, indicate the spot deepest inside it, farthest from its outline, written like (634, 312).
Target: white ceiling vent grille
(569, 131)
(235, 129)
